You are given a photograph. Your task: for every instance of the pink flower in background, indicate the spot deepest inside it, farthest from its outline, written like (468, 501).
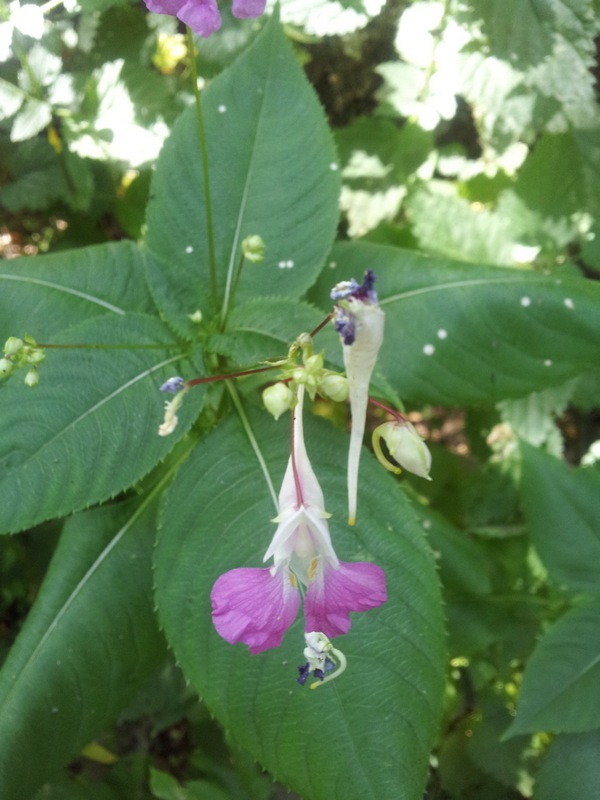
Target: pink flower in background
(257, 606)
(203, 16)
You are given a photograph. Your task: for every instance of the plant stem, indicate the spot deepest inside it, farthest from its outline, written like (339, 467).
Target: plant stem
(231, 375)
(252, 439)
(204, 153)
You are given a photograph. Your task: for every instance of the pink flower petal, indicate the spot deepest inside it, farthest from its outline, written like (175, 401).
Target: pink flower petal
(202, 16)
(248, 8)
(336, 592)
(252, 606)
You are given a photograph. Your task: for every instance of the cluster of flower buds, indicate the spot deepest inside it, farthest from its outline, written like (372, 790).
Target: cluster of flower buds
(22, 353)
(311, 374)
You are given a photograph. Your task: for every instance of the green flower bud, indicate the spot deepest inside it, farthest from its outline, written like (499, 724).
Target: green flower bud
(278, 399)
(6, 367)
(335, 387)
(35, 356)
(32, 378)
(196, 316)
(253, 248)
(405, 446)
(13, 345)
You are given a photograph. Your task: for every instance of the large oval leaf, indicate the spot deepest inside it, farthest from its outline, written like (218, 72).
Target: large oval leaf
(272, 172)
(89, 430)
(367, 734)
(88, 644)
(464, 334)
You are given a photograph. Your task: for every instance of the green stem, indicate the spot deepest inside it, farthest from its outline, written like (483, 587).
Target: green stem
(204, 153)
(109, 346)
(229, 376)
(252, 439)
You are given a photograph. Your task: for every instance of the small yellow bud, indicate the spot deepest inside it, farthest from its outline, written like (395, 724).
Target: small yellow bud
(278, 399)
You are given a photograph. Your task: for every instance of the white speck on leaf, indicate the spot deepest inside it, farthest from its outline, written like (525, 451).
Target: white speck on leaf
(222, 109)
(334, 167)
(525, 301)
(548, 362)
(429, 349)
(442, 334)
(189, 249)
(569, 303)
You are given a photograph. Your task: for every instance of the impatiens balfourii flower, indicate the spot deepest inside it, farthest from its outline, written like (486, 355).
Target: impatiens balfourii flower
(360, 321)
(405, 446)
(256, 606)
(203, 16)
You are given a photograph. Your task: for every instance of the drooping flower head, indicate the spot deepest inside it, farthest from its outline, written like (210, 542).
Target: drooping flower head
(405, 446)
(203, 16)
(360, 321)
(256, 606)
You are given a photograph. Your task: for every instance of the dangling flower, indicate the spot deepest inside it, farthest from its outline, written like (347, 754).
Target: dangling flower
(203, 16)
(405, 446)
(360, 321)
(256, 606)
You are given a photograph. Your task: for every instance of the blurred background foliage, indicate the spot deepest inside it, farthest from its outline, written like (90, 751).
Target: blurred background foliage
(466, 130)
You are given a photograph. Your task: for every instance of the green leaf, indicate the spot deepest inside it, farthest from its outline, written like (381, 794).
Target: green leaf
(460, 334)
(44, 295)
(272, 171)
(523, 31)
(570, 768)
(89, 430)
(37, 179)
(33, 117)
(562, 506)
(88, 644)
(462, 563)
(264, 328)
(560, 692)
(379, 718)
(11, 98)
